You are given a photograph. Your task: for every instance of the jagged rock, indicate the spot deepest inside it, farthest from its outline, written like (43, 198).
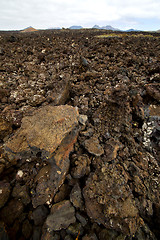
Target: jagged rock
(153, 90)
(13, 116)
(144, 233)
(62, 193)
(83, 220)
(36, 235)
(68, 237)
(3, 233)
(20, 192)
(43, 130)
(91, 236)
(27, 229)
(110, 234)
(92, 145)
(4, 192)
(61, 216)
(83, 119)
(39, 215)
(11, 211)
(75, 229)
(3, 94)
(114, 90)
(60, 91)
(49, 183)
(111, 149)
(76, 197)
(109, 200)
(5, 128)
(81, 165)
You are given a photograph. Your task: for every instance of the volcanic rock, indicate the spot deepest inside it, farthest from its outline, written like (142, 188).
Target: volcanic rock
(76, 197)
(39, 215)
(26, 229)
(60, 90)
(61, 216)
(5, 128)
(109, 200)
(62, 193)
(153, 90)
(91, 236)
(11, 211)
(117, 94)
(20, 192)
(4, 192)
(92, 145)
(81, 165)
(53, 123)
(57, 125)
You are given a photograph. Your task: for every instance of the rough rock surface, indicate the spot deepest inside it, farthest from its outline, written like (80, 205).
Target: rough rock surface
(61, 216)
(4, 192)
(93, 146)
(100, 166)
(53, 123)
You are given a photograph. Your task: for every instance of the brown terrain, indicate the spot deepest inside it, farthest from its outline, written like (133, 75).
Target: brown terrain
(79, 135)
(29, 29)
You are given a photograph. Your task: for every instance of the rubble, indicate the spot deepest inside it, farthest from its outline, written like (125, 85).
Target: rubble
(79, 135)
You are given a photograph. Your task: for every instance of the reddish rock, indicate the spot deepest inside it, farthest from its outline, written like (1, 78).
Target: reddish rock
(44, 129)
(59, 164)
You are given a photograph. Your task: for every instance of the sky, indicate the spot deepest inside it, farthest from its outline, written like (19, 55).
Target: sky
(44, 14)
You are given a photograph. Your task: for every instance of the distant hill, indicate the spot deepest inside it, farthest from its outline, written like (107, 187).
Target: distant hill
(29, 29)
(75, 27)
(132, 30)
(54, 28)
(158, 31)
(108, 27)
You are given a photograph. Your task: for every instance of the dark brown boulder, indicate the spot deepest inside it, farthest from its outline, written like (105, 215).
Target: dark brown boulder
(61, 216)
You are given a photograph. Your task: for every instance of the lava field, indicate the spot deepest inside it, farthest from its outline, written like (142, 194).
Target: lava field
(79, 135)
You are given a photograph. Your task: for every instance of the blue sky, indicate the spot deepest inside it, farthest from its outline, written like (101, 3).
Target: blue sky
(42, 14)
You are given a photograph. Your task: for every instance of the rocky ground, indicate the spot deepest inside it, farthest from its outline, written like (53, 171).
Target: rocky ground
(79, 135)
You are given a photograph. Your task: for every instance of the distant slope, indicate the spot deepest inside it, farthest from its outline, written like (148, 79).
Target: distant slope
(133, 30)
(54, 28)
(107, 27)
(29, 29)
(75, 27)
(158, 31)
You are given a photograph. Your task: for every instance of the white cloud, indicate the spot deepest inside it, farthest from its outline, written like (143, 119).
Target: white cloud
(42, 14)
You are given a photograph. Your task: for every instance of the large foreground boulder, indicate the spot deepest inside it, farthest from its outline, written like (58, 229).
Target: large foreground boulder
(48, 134)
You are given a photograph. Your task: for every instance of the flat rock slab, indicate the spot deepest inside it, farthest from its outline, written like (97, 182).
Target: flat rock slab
(44, 129)
(61, 216)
